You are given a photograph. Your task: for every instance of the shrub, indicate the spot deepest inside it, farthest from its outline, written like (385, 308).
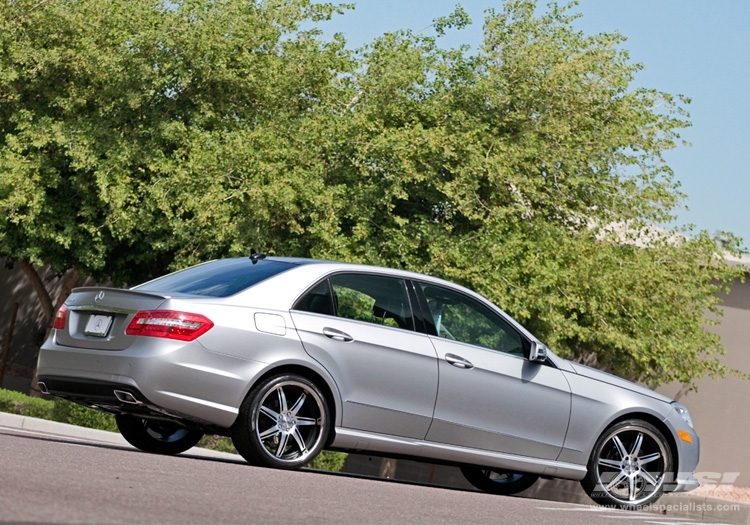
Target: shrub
(17, 403)
(75, 414)
(329, 460)
(218, 443)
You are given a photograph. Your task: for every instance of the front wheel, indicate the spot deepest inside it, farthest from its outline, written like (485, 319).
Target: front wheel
(500, 482)
(155, 436)
(628, 465)
(283, 423)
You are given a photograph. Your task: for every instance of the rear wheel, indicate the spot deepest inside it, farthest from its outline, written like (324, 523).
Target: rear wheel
(158, 437)
(628, 465)
(283, 423)
(496, 481)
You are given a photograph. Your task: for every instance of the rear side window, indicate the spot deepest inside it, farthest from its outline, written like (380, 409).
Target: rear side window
(361, 297)
(217, 278)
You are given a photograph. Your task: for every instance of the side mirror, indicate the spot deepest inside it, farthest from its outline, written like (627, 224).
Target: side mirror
(537, 353)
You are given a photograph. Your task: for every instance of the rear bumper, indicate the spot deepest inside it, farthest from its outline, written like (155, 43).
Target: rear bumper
(108, 396)
(151, 377)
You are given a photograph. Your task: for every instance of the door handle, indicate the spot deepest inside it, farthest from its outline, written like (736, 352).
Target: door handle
(338, 335)
(458, 361)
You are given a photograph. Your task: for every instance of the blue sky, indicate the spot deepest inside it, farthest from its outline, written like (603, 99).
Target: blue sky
(697, 48)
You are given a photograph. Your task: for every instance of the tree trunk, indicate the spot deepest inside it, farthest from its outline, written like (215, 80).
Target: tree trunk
(41, 291)
(388, 468)
(70, 282)
(45, 299)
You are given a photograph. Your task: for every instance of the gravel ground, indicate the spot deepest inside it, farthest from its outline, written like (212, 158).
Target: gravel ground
(725, 492)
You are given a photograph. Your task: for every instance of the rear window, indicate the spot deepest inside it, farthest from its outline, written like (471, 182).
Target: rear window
(217, 278)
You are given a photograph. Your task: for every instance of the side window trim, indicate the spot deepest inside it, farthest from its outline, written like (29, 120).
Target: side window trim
(428, 325)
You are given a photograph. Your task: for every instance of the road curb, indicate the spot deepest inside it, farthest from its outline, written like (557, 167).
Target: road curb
(695, 506)
(62, 429)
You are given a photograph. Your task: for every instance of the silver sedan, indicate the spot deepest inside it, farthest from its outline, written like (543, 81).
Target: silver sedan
(293, 356)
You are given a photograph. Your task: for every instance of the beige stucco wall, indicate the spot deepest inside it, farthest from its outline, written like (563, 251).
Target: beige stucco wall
(719, 408)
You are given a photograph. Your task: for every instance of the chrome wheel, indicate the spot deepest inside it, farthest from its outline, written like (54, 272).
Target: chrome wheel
(629, 465)
(494, 481)
(283, 423)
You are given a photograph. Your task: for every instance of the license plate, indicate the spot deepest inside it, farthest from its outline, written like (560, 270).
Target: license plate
(98, 325)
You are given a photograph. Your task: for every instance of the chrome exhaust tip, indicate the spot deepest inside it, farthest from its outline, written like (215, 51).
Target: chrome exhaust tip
(42, 387)
(126, 397)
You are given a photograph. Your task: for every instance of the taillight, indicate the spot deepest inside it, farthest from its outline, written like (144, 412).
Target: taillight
(169, 324)
(60, 318)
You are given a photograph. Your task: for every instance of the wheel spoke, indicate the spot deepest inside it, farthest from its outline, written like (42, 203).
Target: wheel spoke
(637, 445)
(631, 488)
(270, 413)
(273, 431)
(298, 404)
(620, 447)
(649, 478)
(300, 441)
(282, 400)
(282, 444)
(649, 458)
(610, 463)
(308, 421)
(612, 484)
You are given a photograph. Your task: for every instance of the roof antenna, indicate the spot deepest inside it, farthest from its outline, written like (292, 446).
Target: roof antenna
(256, 256)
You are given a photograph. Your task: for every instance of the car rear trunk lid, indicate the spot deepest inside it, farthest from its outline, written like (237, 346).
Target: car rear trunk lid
(97, 317)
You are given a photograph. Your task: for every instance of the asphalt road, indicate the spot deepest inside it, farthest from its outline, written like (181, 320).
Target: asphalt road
(46, 478)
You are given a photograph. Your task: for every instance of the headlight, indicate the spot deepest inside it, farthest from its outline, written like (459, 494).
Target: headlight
(683, 411)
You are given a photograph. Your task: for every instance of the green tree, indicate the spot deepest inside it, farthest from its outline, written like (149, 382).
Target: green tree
(142, 136)
(137, 133)
(533, 172)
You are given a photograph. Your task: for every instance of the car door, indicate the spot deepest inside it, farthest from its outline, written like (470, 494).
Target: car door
(360, 327)
(490, 396)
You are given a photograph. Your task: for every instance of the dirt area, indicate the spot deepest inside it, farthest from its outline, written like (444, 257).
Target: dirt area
(725, 492)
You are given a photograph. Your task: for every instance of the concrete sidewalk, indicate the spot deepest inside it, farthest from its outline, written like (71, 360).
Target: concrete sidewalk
(72, 431)
(693, 507)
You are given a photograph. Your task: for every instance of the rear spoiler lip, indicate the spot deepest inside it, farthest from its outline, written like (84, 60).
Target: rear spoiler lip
(160, 295)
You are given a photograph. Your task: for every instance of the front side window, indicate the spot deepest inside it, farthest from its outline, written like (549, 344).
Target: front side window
(464, 319)
(361, 297)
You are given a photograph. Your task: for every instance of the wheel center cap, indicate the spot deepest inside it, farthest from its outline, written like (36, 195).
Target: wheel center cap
(286, 421)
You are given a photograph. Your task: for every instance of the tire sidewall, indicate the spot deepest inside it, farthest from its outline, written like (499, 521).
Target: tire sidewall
(135, 431)
(478, 479)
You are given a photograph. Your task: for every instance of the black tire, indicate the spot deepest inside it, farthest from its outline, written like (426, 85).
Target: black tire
(283, 423)
(629, 465)
(158, 437)
(495, 481)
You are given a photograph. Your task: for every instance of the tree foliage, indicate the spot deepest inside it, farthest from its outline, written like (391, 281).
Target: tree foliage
(142, 136)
